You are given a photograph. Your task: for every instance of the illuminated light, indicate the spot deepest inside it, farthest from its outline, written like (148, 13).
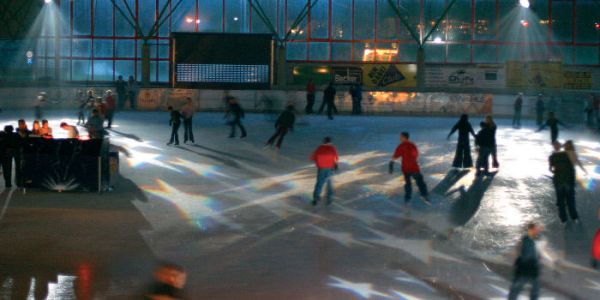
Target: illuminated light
(377, 54)
(48, 1)
(189, 20)
(323, 70)
(524, 3)
(438, 40)
(235, 19)
(197, 21)
(524, 23)
(597, 25)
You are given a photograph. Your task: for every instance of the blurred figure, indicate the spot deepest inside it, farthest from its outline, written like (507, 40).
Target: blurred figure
(489, 121)
(35, 129)
(284, 123)
(539, 110)
(356, 93)
(569, 147)
(326, 159)
(236, 113)
(120, 86)
(329, 101)
(462, 158)
(518, 106)
(95, 125)
(596, 247)
(72, 132)
(553, 123)
(409, 154)
(132, 89)
(564, 183)
(11, 143)
(485, 143)
(527, 265)
(45, 131)
(110, 108)
(22, 129)
(596, 103)
(590, 118)
(85, 105)
(175, 123)
(187, 113)
(310, 96)
(41, 99)
(169, 281)
(100, 106)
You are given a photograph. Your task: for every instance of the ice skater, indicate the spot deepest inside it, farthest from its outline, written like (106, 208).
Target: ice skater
(489, 121)
(11, 143)
(563, 178)
(596, 247)
(284, 123)
(310, 96)
(356, 94)
(462, 158)
(409, 154)
(175, 123)
(569, 147)
(110, 107)
(553, 123)
(329, 101)
(95, 125)
(539, 110)
(485, 144)
(518, 106)
(236, 113)
(187, 113)
(326, 159)
(527, 265)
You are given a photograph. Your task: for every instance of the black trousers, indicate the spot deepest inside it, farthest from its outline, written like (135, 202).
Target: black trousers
(188, 133)
(565, 199)
(132, 100)
(553, 135)
(237, 123)
(331, 108)
(175, 133)
(121, 97)
(408, 185)
(7, 164)
(356, 106)
(310, 102)
(462, 158)
(110, 114)
(281, 132)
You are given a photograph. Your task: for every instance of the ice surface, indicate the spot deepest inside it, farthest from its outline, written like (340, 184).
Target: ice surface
(237, 215)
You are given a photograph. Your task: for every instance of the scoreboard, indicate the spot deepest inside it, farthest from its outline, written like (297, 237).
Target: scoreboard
(222, 60)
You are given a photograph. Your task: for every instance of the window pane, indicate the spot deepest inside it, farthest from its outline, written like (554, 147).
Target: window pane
(294, 8)
(364, 17)
(103, 70)
(566, 54)
(125, 48)
(458, 24)
(65, 47)
(124, 68)
(485, 20)
(103, 48)
(587, 15)
(81, 17)
(319, 20)
(211, 16)
(270, 9)
(103, 18)
(296, 51)
(65, 70)
(319, 51)
(147, 15)
(163, 71)
(184, 18)
(562, 21)
(341, 51)
(459, 53)
(407, 52)
(484, 53)
(586, 55)
(435, 53)
(163, 30)
(341, 22)
(81, 48)
(122, 27)
(387, 21)
(81, 70)
(236, 13)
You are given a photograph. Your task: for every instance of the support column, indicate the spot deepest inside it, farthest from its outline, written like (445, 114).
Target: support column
(281, 67)
(420, 68)
(145, 63)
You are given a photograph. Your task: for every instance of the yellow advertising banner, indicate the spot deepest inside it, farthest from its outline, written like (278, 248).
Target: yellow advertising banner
(577, 80)
(534, 74)
(390, 75)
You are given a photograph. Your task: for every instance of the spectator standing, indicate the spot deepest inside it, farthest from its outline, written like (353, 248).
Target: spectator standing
(120, 86)
(110, 108)
(187, 113)
(518, 107)
(310, 96)
(132, 90)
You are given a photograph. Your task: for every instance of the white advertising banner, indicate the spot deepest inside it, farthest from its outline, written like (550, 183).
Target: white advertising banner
(480, 76)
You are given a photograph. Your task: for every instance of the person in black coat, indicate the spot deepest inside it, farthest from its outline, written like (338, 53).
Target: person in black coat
(553, 123)
(329, 100)
(485, 141)
(356, 93)
(462, 158)
(236, 112)
(540, 107)
(284, 123)
(175, 123)
(527, 265)
(10, 143)
(563, 178)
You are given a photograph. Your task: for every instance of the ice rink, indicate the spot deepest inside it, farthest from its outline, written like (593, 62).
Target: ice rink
(237, 215)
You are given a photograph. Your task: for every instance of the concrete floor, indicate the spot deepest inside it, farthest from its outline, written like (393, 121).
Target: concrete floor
(237, 216)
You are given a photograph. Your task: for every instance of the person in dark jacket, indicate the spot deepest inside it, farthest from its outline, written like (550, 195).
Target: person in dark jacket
(11, 150)
(518, 106)
(329, 101)
(120, 86)
(356, 93)
(462, 158)
(95, 125)
(489, 121)
(485, 142)
(236, 113)
(132, 90)
(539, 110)
(553, 123)
(310, 96)
(284, 123)
(527, 265)
(564, 183)
(175, 123)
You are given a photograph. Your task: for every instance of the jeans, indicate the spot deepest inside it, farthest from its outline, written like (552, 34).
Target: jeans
(517, 118)
(175, 133)
(408, 185)
(323, 177)
(310, 102)
(519, 282)
(110, 114)
(281, 132)
(132, 100)
(482, 159)
(565, 199)
(188, 133)
(462, 158)
(237, 123)
(356, 106)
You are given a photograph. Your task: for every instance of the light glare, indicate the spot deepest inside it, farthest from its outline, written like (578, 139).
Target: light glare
(524, 3)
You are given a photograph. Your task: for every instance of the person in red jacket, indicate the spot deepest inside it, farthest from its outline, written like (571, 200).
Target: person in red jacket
(409, 153)
(326, 158)
(596, 247)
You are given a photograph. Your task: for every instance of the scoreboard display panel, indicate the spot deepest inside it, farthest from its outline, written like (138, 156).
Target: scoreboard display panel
(222, 60)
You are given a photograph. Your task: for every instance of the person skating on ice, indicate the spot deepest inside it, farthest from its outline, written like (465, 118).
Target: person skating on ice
(563, 178)
(462, 158)
(326, 159)
(310, 96)
(518, 107)
(329, 101)
(553, 123)
(539, 110)
(527, 265)
(569, 148)
(489, 121)
(110, 107)
(175, 123)
(236, 114)
(187, 113)
(409, 154)
(485, 144)
(284, 124)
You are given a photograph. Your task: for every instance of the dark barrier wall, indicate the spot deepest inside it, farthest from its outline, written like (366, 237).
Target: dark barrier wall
(64, 164)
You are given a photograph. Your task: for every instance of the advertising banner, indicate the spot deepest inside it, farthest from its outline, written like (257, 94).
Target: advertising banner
(150, 99)
(430, 103)
(390, 75)
(481, 76)
(347, 75)
(574, 80)
(534, 74)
